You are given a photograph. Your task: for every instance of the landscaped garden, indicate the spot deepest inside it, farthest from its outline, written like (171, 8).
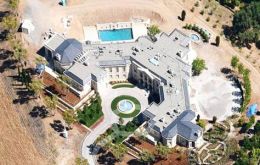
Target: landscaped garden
(91, 113)
(123, 85)
(126, 106)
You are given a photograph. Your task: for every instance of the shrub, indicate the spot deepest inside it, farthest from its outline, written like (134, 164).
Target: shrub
(153, 30)
(197, 66)
(183, 15)
(217, 40)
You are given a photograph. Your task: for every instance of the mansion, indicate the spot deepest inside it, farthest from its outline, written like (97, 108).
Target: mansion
(161, 66)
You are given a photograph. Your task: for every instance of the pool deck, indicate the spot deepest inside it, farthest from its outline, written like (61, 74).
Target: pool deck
(139, 28)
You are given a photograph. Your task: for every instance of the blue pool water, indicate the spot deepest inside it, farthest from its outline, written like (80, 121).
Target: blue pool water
(195, 37)
(115, 35)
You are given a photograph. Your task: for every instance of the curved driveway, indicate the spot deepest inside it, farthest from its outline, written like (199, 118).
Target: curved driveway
(107, 96)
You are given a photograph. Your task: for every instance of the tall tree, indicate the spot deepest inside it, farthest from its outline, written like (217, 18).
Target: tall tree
(81, 161)
(234, 62)
(51, 103)
(19, 53)
(240, 68)
(10, 23)
(36, 86)
(162, 151)
(119, 150)
(69, 117)
(197, 66)
(153, 30)
(13, 4)
(147, 157)
(183, 15)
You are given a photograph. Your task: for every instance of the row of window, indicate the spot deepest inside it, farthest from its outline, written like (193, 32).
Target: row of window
(117, 69)
(117, 76)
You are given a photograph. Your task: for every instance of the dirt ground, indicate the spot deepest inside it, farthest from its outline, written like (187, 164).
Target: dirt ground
(66, 149)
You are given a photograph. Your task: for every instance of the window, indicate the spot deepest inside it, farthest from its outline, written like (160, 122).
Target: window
(117, 69)
(110, 69)
(124, 69)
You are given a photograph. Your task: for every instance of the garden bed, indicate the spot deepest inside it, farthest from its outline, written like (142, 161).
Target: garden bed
(123, 85)
(91, 114)
(66, 95)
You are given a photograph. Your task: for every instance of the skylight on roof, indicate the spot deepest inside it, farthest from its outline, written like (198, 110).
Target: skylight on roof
(154, 61)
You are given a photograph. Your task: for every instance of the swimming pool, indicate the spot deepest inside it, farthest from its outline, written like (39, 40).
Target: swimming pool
(195, 37)
(116, 34)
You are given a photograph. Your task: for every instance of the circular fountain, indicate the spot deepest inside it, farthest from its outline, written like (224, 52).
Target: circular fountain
(125, 106)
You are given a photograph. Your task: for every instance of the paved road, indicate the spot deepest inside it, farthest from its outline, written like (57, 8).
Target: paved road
(107, 96)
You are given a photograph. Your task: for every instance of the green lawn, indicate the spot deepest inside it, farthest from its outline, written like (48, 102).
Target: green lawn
(122, 97)
(119, 133)
(91, 113)
(123, 85)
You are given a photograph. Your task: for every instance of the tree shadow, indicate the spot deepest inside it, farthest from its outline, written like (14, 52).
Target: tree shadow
(39, 111)
(24, 96)
(107, 158)
(135, 162)
(3, 14)
(4, 35)
(8, 64)
(4, 54)
(225, 70)
(57, 126)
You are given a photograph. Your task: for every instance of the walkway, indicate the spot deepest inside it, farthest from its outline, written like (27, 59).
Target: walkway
(107, 96)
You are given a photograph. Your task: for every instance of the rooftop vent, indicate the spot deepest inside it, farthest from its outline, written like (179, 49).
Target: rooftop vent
(179, 53)
(162, 120)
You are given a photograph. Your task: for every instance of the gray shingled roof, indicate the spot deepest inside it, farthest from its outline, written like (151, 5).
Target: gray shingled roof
(69, 50)
(183, 126)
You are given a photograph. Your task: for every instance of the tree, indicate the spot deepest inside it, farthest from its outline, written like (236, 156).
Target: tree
(119, 150)
(121, 121)
(51, 103)
(81, 161)
(10, 23)
(62, 85)
(234, 62)
(214, 119)
(183, 15)
(202, 123)
(153, 30)
(245, 24)
(217, 41)
(162, 151)
(70, 117)
(36, 86)
(19, 53)
(257, 128)
(240, 68)
(147, 157)
(40, 60)
(197, 66)
(13, 4)
(198, 117)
